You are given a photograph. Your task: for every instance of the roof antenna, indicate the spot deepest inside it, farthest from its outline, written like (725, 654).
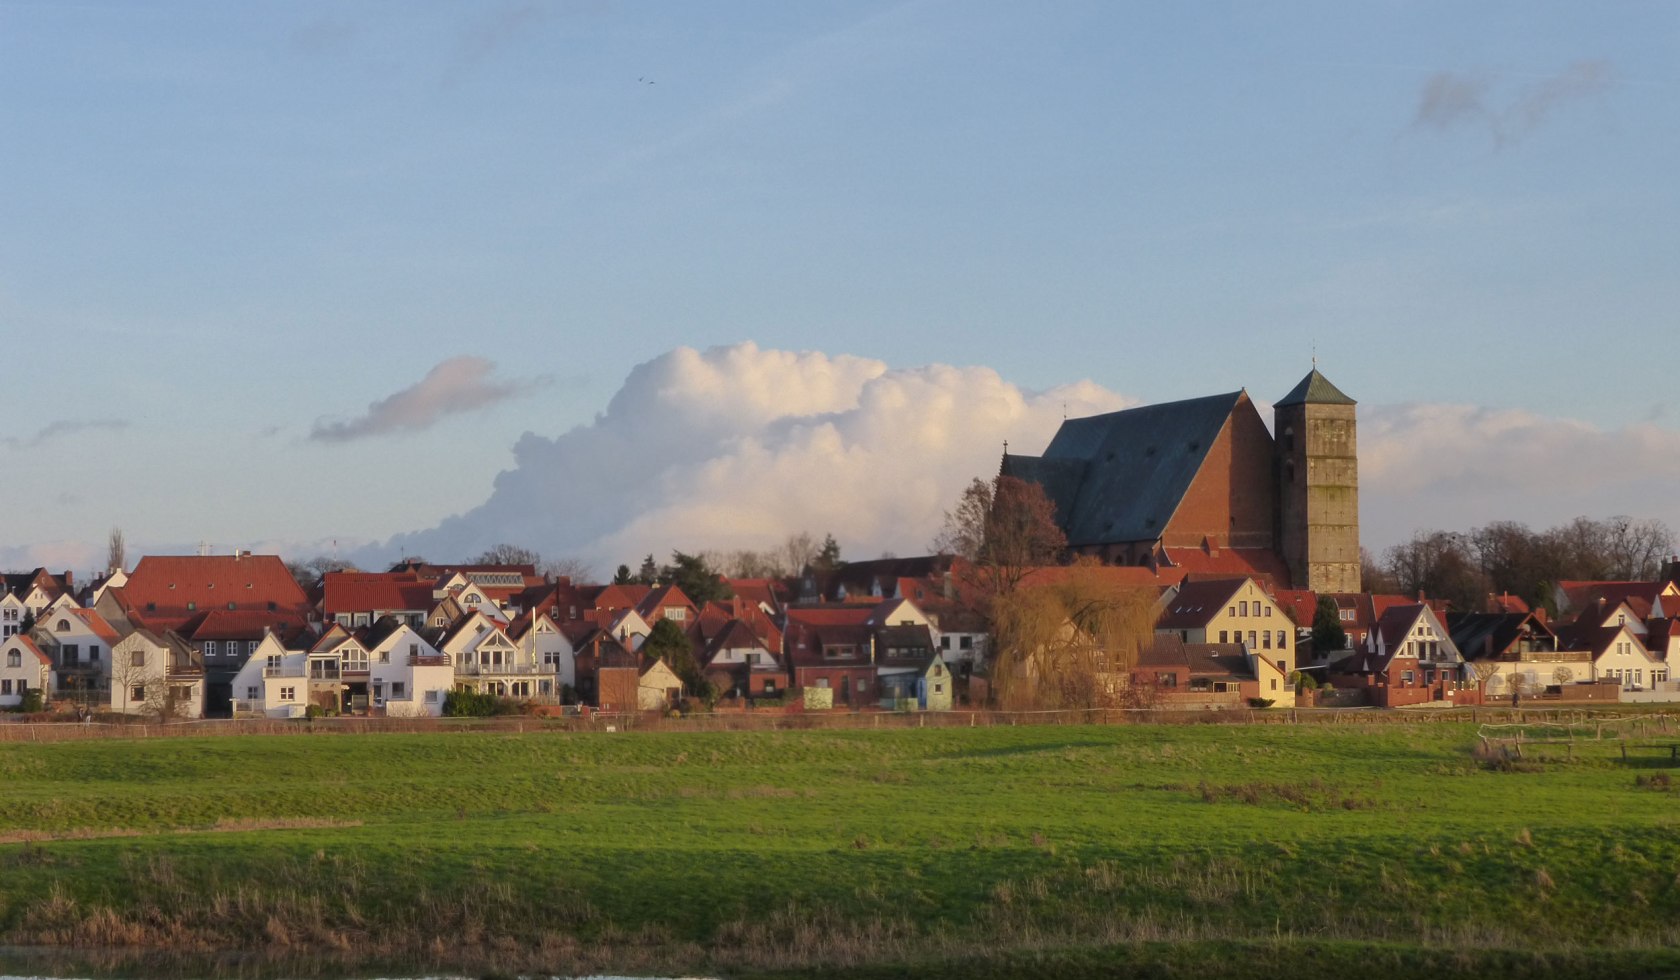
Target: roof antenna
(1315, 355)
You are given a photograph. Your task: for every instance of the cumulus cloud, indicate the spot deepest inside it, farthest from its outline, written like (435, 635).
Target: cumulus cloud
(53, 431)
(1458, 466)
(738, 446)
(1452, 99)
(459, 384)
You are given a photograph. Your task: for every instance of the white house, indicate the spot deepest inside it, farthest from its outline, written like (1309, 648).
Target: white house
(157, 674)
(23, 668)
(12, 613)
(409, 676)
(79, 641)
(489, 661)
(542, 642)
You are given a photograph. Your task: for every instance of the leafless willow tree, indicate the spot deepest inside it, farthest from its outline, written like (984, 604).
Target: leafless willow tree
(1070, 643)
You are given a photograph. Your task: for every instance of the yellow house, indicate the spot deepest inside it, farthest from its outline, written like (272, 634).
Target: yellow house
(1232, 611)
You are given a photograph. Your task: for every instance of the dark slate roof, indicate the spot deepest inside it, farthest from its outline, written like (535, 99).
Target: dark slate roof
(1212, 660)
(1315, 389)
(1120, 476)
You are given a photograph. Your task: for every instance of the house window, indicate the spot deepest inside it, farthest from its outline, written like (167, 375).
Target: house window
(1251, 639)
(14, 659)
(939, 689)
(1224, 636)
(1281, 641)
(769, 687)
(414, 649)
(1265, 639)
(138, 695)
(209, 648)
(137, 658)
(1407, 677)
(253, 693)
(274, 661)
(862, 685)
(64, 626)
(966, 642)
(1268, 611)
(945, 643)
(1232, 611)
(1283, 665)
(677, 613)
(397, 689)
(250, 647)
(822, 682)
(288, 694)
(384, 656)
(1274, 683)
(1242, 608)
(431, 697)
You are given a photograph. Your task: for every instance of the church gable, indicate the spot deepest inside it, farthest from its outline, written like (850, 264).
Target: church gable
(1231, 502)
(1137, 466)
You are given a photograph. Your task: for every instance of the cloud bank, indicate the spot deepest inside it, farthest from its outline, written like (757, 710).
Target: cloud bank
(459, 384)
(734, 447)
(737, 446)
(1458, 466)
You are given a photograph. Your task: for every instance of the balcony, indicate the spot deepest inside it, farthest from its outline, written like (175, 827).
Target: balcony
(505, 670)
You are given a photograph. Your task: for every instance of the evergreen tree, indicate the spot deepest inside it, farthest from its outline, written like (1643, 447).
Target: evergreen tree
(649, 574)
(1327, 632)
(623, 576)
(691, 574)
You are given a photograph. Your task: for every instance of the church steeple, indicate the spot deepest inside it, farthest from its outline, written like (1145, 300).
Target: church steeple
(1316, 435)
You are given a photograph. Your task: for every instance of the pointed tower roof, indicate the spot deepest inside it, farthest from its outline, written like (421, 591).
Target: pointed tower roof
(1314, 389)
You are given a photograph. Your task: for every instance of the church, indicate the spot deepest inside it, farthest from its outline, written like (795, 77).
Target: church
(1201, 485)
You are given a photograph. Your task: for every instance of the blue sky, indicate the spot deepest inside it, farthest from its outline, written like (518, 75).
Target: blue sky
(227, 229)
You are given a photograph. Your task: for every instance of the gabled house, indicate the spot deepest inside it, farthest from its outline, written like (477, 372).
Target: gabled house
(79, 641)
(13, 613)
(657, 687)
(833, 647)
(488, 661)
(1209, 675)
(1409, 658)
(1618, 654)
(37, 589)
(609, 671)
(157, 674)
(739, 663)
(23, 668)
(909, 671)
(543, 641)
(1231, 611)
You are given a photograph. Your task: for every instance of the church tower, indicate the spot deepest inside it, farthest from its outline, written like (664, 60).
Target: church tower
(1318, 485)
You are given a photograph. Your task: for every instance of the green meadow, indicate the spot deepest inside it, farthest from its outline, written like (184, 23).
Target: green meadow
(1234, 850)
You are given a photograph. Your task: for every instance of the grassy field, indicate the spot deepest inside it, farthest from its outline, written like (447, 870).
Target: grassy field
(1047, 851)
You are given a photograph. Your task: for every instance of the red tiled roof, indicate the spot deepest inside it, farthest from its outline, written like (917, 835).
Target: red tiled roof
(352, 592)
(165, 587)
(95, 622)
(1261, 564)
(238, 624)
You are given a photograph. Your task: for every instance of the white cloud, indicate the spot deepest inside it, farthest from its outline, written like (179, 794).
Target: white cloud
(459, 384)
(737, 446)
(1459, 466)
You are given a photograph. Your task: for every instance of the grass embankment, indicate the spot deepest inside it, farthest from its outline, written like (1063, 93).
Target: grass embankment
(1047, 851)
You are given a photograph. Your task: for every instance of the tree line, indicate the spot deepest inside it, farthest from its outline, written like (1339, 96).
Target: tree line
(1509, 557)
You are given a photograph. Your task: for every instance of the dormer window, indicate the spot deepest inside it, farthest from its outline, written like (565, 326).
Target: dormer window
(63, 626)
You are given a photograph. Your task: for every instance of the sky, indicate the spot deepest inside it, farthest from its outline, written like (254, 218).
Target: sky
(609, 278)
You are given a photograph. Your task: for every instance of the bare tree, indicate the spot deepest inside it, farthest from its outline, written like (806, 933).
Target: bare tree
(1015, 526)
(116, 555)
(1070, 643)
(506, 554)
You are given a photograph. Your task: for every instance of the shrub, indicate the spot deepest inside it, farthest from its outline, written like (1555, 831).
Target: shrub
(1261, 702)
(472, 704)
(34, 702)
